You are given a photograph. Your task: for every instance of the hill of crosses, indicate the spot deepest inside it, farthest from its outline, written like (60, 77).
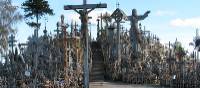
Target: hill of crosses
(72, 58)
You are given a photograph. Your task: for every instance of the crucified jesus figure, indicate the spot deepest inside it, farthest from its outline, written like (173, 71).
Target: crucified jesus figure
(134, 31)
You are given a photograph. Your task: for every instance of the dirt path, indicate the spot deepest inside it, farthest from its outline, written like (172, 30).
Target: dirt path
(117, 85)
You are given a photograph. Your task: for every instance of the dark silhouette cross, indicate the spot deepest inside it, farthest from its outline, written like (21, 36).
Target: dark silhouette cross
(11, 42)
(57, 29)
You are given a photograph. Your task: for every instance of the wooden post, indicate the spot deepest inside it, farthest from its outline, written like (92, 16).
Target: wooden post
(63, 26)
(98, 28)
(118, 41)
(101, 23)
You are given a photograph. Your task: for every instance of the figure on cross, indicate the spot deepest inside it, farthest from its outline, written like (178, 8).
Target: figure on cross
(135, 18)
(134, 31)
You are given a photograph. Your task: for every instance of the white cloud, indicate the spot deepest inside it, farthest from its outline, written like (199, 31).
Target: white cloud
(165, 13)
(74, 16)
(16, 4)
(188, 22)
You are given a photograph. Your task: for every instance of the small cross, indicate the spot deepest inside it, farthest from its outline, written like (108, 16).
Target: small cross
(76, 29)
(117, 4)
(12, 41)
(57, 30)
(45, 29)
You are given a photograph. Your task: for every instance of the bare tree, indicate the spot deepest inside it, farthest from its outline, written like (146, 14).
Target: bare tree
(9, 16)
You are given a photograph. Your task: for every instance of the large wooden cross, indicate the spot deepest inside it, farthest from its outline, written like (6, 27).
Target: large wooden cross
(83, 11)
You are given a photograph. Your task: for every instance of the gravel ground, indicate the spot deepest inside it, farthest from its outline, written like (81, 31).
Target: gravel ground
(118, 85)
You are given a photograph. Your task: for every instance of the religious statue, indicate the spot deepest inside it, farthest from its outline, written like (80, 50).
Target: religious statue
(134, 31)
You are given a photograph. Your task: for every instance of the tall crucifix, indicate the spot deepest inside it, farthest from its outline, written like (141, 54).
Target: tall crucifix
(83, 11)
(134, 31)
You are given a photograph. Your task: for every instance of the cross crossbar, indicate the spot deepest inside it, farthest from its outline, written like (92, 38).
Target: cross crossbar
(87, 6)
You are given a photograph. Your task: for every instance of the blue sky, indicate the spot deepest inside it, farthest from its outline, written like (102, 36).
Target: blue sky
(169, 19)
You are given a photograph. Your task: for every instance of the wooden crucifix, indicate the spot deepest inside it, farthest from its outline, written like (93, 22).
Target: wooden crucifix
(83, 11)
